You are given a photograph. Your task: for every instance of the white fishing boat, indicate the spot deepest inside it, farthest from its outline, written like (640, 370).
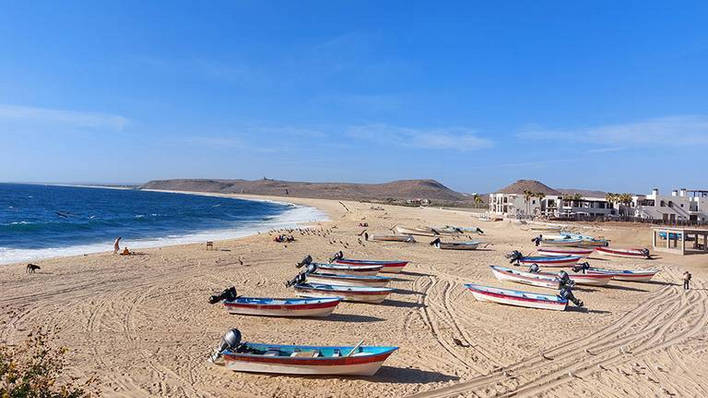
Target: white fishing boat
(389, 238)
(627, 253)
(346, 269)
(462, 245)
(626, 275)
(277, 307)
(421, 231)
(585, 278)
(347, 293)
(526, 278)
(518, 298)
(347, 280)
(565, 251)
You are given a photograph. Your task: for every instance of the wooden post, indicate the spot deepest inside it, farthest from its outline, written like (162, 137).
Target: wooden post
(683, 242)
(653, 238)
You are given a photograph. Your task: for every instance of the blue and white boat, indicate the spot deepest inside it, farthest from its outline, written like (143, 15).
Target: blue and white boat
(285, 307)
(357, 360)
(347, 293)
(347, 280)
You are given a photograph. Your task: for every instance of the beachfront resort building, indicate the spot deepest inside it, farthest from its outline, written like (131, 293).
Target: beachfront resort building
(532, 198)
(683, 205)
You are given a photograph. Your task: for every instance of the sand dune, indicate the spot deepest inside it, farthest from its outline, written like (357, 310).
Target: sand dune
(143, 326)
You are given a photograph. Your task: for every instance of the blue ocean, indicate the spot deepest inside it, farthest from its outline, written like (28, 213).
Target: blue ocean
(41, 221)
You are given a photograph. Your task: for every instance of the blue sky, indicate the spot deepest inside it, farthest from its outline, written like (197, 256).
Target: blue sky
(604, 95)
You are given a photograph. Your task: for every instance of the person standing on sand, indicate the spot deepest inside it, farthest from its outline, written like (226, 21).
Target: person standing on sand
(686, 280)
(116, 245)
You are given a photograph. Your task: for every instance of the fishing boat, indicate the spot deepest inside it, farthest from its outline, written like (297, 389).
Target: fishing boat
(389, 238)
(347, 293)
(586, 240)
(527, 278)
(282, 307)
(421, 231)
(629, 253)
(546, 228)
(466, 245)
(565, 251)
(585, 278)
(451, 229)
(389, 266)
(347, 280)
(343, 269)
(518, 298)
(561, 242)
(626, 275)
(546, 261)
(358, 360)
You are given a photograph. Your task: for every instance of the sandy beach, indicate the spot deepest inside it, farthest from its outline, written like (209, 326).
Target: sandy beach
(143, 327)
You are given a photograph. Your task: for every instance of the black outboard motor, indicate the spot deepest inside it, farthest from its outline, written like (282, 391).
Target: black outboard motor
(298, 279)
(305, 261)
(479, 230)
(567, 293)
(582, 267)
(230, 341)
(338, 255)
(646, 254)
(435, 243)
(514, 256)
(537, 240)
(534, 268)
(227, 295)
(312, 267)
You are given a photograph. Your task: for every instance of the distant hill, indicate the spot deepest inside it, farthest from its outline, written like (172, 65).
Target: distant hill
(391, 192)
(520, 186)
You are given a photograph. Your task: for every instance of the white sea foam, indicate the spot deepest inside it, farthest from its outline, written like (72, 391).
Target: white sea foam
(293, 217)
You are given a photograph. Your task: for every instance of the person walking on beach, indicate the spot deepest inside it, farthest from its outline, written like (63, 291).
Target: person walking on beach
(686, 280)
(116, 245)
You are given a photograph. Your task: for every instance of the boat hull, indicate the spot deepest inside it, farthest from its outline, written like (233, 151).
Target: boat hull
(355, 365)
(347, 280)
(627, 275)
(626, 253)
(526, 278)
(391, 267)
(586, 279)
(392, 238)
(319, 308)
(553, 261)
(343, 269)
(562, 252)
(457, 246)
(501, 298)
(353, 294)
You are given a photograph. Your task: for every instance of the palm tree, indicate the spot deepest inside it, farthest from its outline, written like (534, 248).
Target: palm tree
(527, 196)
(625, 199)
(478, 200)
(540, 196)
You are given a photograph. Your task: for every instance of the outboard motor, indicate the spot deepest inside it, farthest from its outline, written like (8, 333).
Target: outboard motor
(435, 243)
(567, 293)
(646, 254)
(312, 267)
(582, 267)
(479, 230)
(226, 295)
(298, 279)
(514, 256)
(537, 240)
(534, 268)
(305, 261)
(339, 255)
(230, 341)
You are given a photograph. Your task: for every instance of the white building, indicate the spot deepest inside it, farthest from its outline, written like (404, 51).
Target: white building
(682, 205)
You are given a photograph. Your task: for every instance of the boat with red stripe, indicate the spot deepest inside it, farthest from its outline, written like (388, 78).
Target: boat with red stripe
(518, 298)
(627, 253)
(526, 278)
(347, 293)
(358, 360)
(546, 261)
(626, 274)
(390, 266)
(565, 251)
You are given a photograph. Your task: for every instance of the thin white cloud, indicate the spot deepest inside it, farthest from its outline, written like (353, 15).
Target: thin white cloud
(606, 149)
(665, 131)
(46, 116)
(460, 139)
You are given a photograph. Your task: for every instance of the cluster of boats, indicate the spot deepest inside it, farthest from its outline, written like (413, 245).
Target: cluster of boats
(406, 234)
(322, 287)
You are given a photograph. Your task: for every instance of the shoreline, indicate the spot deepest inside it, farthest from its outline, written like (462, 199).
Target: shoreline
(217, 235)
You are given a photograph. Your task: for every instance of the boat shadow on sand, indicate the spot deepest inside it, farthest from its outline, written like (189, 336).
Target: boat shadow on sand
(586, 310)
(349, 318)
(388, 374)
(407, 292)
(401, 304)
(623, 287)
(412, 273)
